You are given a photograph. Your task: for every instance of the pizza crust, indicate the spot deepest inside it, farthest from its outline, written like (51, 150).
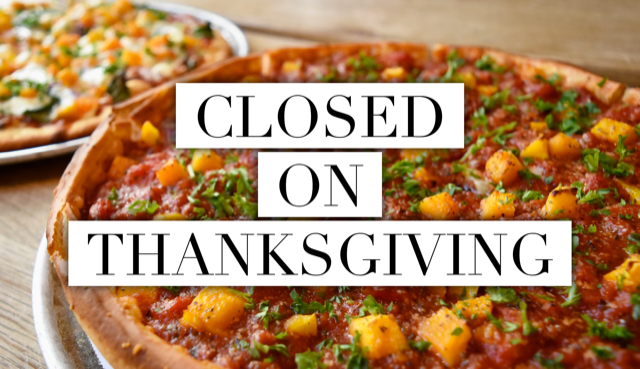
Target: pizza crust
(117, 333)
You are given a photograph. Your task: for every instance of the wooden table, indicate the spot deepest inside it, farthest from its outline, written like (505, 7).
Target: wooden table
(593, 34)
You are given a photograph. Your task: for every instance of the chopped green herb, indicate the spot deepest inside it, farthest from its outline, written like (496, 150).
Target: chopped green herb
(600, 329)
(139, 206)
(370, 305)
(310, 360)
(573, 297)
(247, 296)
(420, 345)
(502, 295)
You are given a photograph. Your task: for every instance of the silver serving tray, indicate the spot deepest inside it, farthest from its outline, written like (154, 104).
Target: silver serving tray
(62, 341)
(231, 33)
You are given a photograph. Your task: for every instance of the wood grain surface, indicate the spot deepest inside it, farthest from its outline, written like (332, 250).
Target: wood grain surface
(599, 36)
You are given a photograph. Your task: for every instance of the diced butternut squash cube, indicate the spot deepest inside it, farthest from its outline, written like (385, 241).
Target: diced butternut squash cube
(627, 275)
(172, 172)
(498, 205)
(83, 106)
(633, 191)
(131, 58)
(561, 203)
(119, 166)
(28, 92)
(503, 166)
(539, 126)
(609, 130)
(95, 34)
(150, 135)
(204, 160)
(437, 290)
(487, 90)
(469, 79)
(440, 207)
(412, 154)
(213, 310)
(538, 149)
(110, 44)
(462, 291)
(121, 6)
(67, 77)
(380, 334)
(291, 67)
(5, 21)
(476, 306)
(448, 334)
(67, 39)
(563, 146)
(393, 73)
(422, 175)
(5, 92)
(302, 325)
(64, 60)
(170, 216)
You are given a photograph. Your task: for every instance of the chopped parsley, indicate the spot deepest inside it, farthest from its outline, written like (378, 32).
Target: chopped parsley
(113, 196)
(635, 302)
(594, 158)
(498, 323)
(527, 175)
(139, 206)
(622, 149)
(301, 307)
(371, 306)
(479, 118)
(555, 363)
(492, 101)
(527, 327)
(600, 329)
(356, 360)
(420, 345)
(487, 63)
(473, 149)
(573, 297)
(257, 348)
(603, 352)
(310, 360)
(502, 295)
(175, 290)
(453, 63)
(265, 315)
(204, 31)
(530, 195)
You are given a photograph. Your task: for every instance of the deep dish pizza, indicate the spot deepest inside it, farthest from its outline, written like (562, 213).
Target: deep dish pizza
(543, 141)
(61, 69)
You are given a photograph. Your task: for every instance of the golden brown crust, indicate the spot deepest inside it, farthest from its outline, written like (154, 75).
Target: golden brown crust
(114, 331)
(24, 137)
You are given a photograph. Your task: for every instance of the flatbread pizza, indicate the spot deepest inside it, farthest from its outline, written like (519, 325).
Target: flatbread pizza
(62, 68)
